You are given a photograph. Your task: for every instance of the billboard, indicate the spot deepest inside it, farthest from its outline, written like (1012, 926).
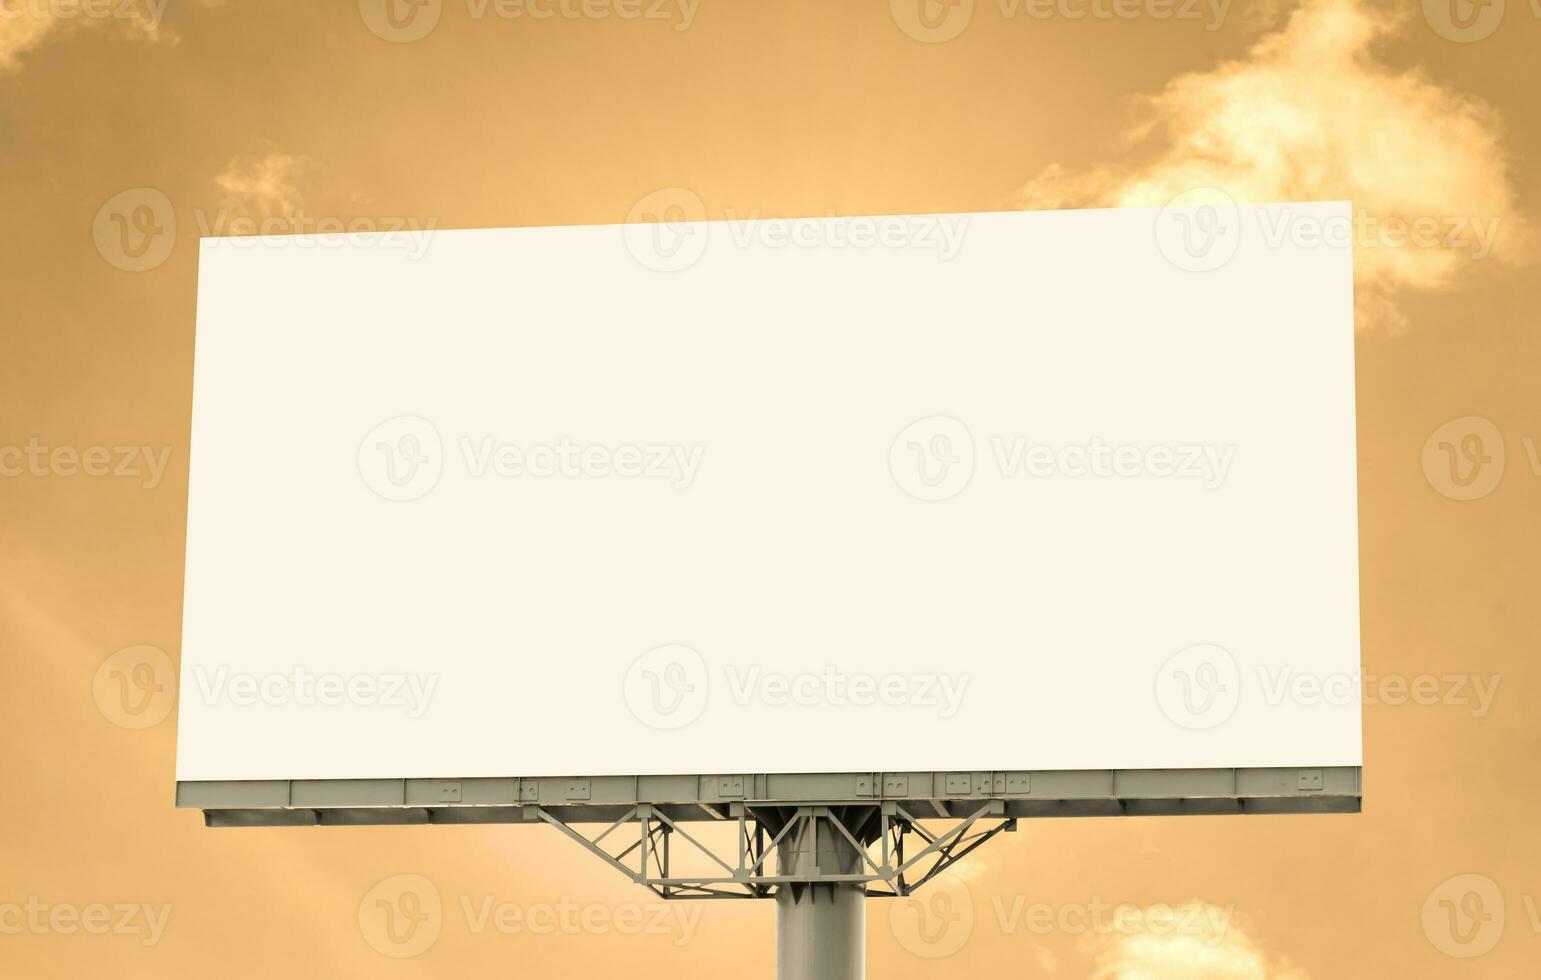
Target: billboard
(1057, 490)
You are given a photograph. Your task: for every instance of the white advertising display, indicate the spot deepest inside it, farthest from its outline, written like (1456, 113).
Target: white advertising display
(1010, 491)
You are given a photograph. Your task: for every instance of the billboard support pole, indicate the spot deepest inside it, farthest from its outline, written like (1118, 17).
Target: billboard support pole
(821, 928)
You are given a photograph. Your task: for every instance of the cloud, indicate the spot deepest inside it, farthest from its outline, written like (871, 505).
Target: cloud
(26, 24)
(263, 186)
(20, 32)
(1310, 113)
(1206, 946)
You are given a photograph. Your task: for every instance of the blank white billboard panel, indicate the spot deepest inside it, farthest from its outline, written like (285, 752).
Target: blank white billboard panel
(1062, 490)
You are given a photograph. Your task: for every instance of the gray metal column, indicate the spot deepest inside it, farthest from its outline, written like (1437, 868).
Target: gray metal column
(821, 928)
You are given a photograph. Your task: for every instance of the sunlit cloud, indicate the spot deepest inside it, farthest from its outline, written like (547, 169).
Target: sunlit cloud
(1311, 113)
(1208, 946)
(26, 24)
(263, 186)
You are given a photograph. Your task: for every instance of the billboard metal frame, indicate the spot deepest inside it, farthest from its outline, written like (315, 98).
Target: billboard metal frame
(837, 838)
(935, 795)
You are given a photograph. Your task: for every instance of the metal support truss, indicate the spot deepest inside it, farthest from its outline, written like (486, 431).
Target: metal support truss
(879, 847)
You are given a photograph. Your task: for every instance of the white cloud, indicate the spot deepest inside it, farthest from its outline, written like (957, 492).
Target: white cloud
(26, 24)
(1212, 948)
(1310, 113)
(263, 186)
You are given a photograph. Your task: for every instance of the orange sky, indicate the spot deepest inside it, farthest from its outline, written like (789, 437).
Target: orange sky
(213, 112)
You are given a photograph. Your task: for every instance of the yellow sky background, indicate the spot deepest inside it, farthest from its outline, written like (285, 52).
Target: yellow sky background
(294, 113)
